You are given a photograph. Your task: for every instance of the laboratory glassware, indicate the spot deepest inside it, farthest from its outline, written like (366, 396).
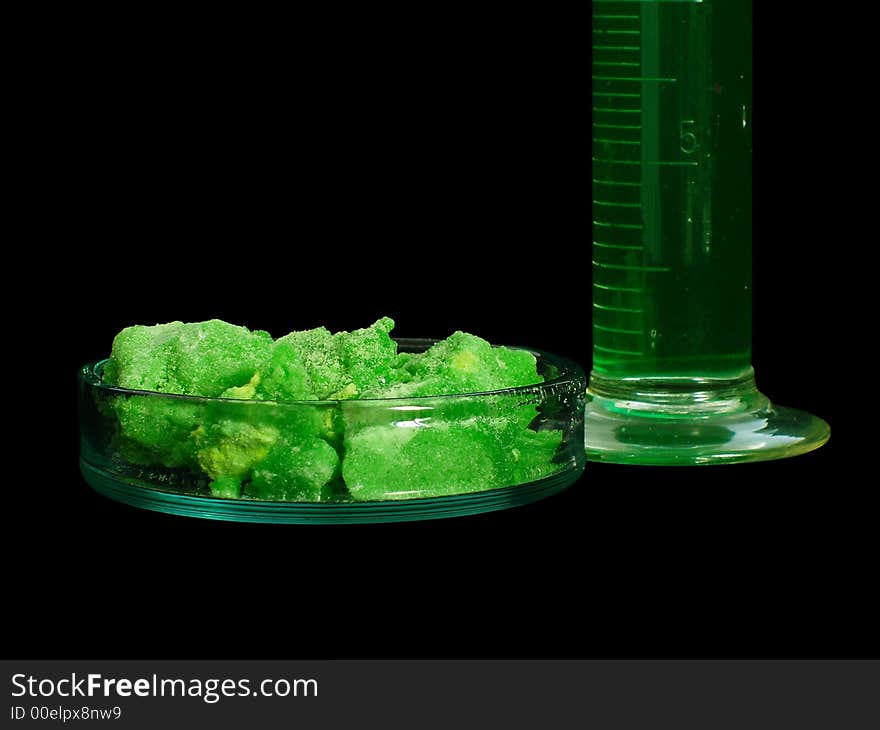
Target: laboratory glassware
(672, 380)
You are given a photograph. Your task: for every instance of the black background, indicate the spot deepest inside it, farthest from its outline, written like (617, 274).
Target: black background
(435, 171)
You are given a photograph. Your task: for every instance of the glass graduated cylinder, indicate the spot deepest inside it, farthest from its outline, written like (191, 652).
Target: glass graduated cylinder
(672, 382)
(671, 183)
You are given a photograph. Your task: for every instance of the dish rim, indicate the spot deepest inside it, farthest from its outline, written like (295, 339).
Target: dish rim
(569, 372)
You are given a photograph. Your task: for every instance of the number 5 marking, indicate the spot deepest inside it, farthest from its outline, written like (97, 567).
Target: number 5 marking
(689, 142)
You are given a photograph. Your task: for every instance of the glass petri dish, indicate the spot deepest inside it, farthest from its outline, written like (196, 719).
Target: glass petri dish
(335, 461)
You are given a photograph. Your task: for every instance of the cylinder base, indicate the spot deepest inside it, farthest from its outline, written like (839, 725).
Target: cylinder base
(693, 421)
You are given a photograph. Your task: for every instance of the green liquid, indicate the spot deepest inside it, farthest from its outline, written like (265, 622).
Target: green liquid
(672, 195)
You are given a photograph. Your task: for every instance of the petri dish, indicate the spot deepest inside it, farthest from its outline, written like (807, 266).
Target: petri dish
(392, 459)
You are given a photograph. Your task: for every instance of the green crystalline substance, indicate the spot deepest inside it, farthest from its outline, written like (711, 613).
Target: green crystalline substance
(390, 462)
(271, 451)
(465, 363)
(334, 450)
(284, 376)
(368, 356)
(156, 430)
(201, 358)
(524, 455)
(230, 449)
(315, 351)
(295, 472)
(343, 365)
(462, 363)
(384, 462)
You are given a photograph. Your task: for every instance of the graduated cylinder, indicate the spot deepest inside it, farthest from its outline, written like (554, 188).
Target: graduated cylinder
(672, 379)
(672, 200)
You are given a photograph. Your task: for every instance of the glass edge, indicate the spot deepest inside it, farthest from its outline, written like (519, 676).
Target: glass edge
(89, 471)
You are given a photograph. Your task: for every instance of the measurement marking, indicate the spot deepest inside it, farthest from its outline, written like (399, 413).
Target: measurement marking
(617, 246)
(616, 205)
(608, 308)
(625, 95)
(627, 226)
(616, 111)
(661, 163)
(617, 126)
(666, 79)
(618, 182)
(617, 48)
(617, 352)
(617, 32)
(632, 267)
(626, 64)
(606, 16)
(617, 330)
(610, 287)
(602, 140)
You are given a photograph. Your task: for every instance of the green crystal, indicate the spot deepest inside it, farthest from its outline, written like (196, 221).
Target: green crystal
(315, 350)
(282, 451)
(524, 455)
(462, 363)
(226, 487)
(231, 448)
(343, 365)
(156, 430)
(394, 461)
(296, 472)
(284, 376)
(384, 462)
(201, 358)
(368, 355)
